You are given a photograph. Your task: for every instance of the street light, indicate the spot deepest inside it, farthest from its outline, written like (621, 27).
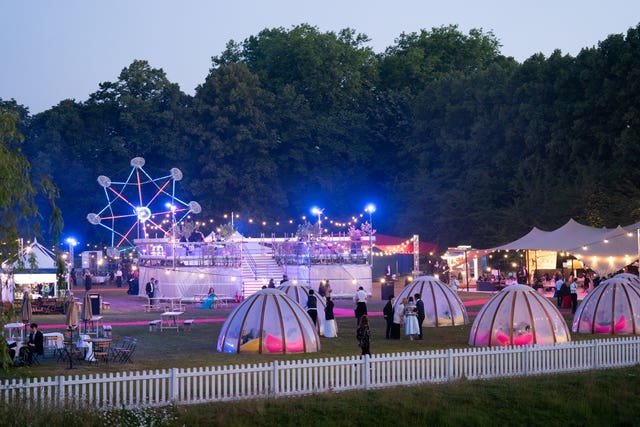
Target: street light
(370, 208)
(72, 243)
(466, 248)
(318, 212)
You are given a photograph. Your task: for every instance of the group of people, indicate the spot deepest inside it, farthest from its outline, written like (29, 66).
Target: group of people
(330, 327)
(152, 290)
(408, 313)
(567, 289)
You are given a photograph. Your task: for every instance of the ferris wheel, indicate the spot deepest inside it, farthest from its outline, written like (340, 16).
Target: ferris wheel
(141, 205)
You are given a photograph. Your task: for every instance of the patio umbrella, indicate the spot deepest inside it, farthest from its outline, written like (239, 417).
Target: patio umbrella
(72, 315)
(26, 311)
(87, 313)
(72, 323)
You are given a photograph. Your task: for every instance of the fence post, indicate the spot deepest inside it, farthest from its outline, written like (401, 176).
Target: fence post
(449, 364)
(525, 360)
(173, 385)
(274, 379)
(366, 368)
(595, 354)
(60, 386)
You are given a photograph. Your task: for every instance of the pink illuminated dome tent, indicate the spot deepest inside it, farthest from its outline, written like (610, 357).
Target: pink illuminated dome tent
(613, 307)
(300, 293)
(269, 321)
(518, 315)
(442, 305)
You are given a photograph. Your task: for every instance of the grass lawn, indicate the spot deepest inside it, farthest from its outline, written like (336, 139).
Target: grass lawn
(610, 397)
(197, 347)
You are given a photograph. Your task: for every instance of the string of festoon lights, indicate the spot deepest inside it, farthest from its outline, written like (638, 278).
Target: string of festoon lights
(215, 222)
(396, 249)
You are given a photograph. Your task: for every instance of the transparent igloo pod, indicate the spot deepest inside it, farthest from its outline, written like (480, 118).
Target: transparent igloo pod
(613, 307)
(518, 315)
(269, 321)
(442, 305)
(300, 293)
(629, 278)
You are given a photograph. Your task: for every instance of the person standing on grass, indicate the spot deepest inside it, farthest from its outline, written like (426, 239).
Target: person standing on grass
(330, 327)
(559, 283)
(87, 280)
(398, 319)
(419, 314)
(312, 307)
(411, 320)
(360, 298)
(363, 334)
(387, 311)
(573, 291)
(150, 289)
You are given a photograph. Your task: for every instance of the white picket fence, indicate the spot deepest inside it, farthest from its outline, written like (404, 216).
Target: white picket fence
(300, 377)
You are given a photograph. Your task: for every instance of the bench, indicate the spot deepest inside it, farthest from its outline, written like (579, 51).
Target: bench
(187, 324)
(154, 325)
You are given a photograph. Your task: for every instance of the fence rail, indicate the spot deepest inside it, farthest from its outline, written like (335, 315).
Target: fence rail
(300, 377)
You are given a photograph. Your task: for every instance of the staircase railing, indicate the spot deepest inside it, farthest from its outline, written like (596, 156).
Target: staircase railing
(251, 262)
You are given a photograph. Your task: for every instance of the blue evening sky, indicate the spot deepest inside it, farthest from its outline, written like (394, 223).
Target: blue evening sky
(54, 50)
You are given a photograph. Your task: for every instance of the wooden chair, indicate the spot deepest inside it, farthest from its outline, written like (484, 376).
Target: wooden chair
(102, 351)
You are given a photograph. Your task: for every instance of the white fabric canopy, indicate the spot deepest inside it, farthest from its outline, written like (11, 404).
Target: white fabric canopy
(604, 250)
(571, 235)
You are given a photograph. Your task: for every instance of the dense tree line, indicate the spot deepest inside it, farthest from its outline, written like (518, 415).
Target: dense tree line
(452, 140)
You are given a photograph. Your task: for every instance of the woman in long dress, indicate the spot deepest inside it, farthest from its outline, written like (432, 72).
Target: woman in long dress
(330, 327)
(208, 302)
(411, 319)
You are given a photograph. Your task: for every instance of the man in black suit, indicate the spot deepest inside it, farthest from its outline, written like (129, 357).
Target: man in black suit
(388, 316)
(312, 307)
(419, 312)
(35, 343)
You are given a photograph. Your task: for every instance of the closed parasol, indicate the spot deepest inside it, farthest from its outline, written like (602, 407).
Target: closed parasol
(26, 311)
(72, 315)
(87, 312)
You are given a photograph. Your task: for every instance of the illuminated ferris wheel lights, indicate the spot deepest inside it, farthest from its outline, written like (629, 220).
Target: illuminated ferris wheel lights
(125, 218)
(143, 213)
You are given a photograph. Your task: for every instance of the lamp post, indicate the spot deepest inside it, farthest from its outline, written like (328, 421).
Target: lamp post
(318, 212)
(466, 248)
(72, 243)
(370, 208)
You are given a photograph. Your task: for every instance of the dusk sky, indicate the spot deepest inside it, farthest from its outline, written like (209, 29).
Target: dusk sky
(54, 50)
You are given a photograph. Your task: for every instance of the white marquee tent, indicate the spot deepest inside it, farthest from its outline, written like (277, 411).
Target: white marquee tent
(20, 272)
(604, 250)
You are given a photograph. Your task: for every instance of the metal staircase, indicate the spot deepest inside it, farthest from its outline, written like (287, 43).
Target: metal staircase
(258, 266)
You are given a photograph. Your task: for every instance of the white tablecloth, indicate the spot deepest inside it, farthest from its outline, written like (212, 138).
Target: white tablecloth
(84, 342)
(59, 338)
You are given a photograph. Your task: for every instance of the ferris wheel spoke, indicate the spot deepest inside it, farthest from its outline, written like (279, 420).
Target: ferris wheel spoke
(121, 197)
(158, 192)
(126, 235)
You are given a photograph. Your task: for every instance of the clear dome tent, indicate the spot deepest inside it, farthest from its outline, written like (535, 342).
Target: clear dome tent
(613, 307)
(630, 278)
(518, 315)
(269, 321)
(442, 305)
(299, 293)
